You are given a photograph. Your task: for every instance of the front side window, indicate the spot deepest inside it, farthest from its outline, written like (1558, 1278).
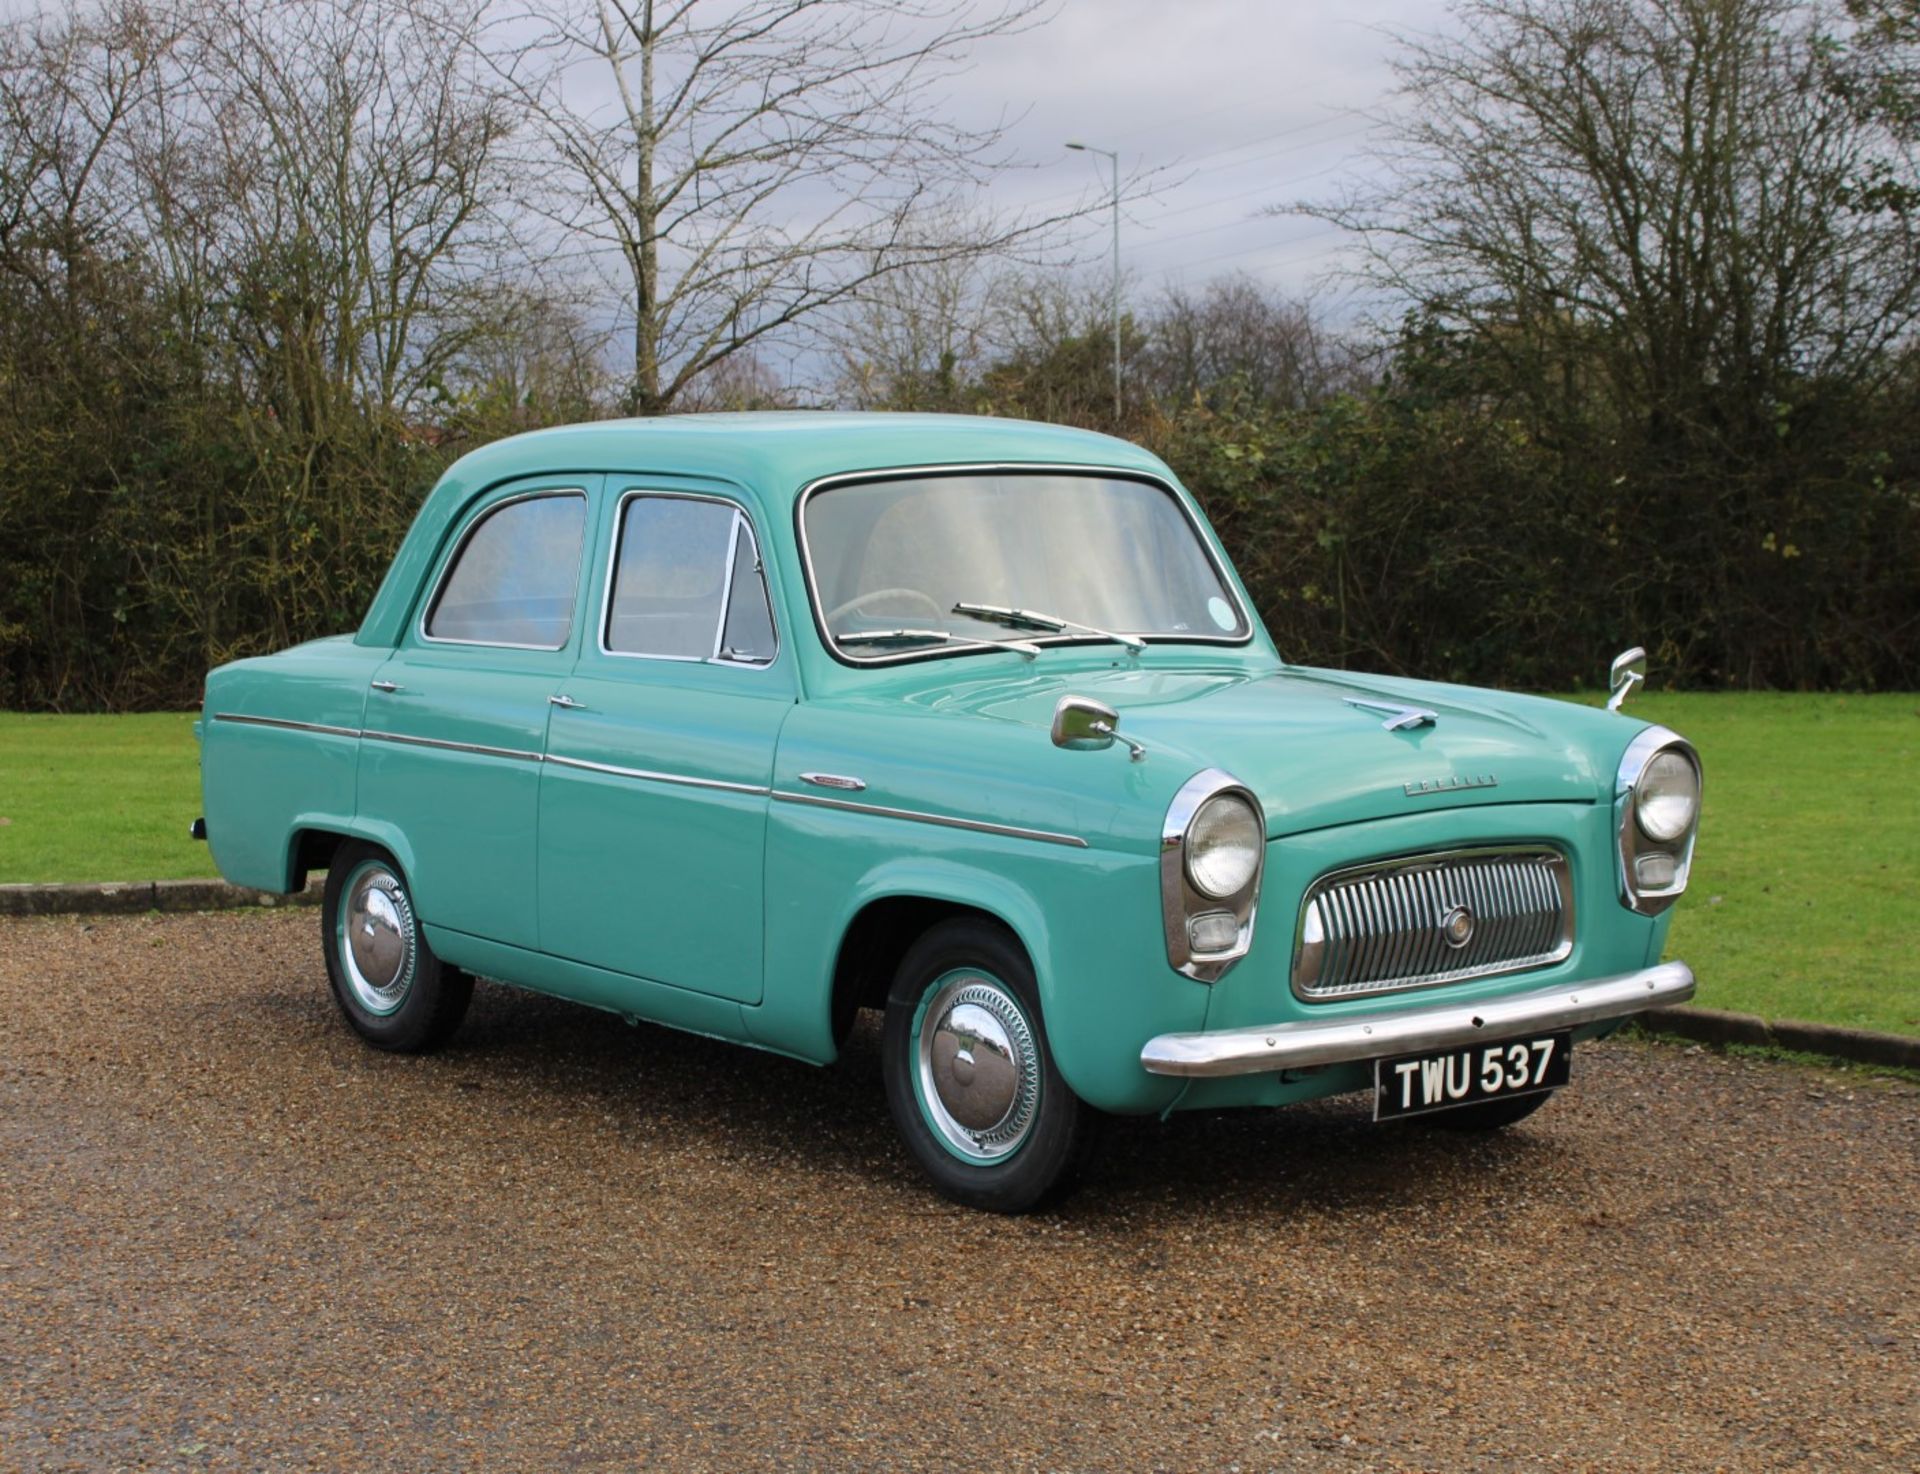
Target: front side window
(514, 579)
(687, 583)
(1036, 555)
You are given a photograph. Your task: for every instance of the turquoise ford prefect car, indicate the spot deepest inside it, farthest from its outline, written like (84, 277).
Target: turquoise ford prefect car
(743, 723)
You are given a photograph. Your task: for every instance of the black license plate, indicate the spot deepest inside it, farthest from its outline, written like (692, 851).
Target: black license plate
(1441, 1079)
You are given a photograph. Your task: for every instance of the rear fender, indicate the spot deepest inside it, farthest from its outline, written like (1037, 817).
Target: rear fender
(371, 831)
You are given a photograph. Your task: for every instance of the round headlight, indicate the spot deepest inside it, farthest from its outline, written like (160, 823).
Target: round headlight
(1667, 797)
(1223, 846)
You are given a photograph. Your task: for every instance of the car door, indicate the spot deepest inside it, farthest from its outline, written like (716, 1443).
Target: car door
(457, 717)
(653, 798)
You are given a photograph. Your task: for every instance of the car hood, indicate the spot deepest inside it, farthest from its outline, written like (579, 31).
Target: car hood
(1315, 758)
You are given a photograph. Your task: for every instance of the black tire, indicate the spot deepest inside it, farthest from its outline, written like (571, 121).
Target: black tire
(978, 976)
(1490, 1115)
(410, 1003)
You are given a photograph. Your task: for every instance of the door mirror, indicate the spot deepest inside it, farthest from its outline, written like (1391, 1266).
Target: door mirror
(1629, 670)
(1082, 724)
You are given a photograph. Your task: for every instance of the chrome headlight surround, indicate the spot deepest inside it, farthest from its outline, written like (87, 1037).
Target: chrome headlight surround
(1182, 902)
(1652, 873)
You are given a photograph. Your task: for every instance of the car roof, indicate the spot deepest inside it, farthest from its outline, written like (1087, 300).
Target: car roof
(778, 452)
(775, 455)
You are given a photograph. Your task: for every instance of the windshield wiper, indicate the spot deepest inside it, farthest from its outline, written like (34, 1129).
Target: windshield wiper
(935, 637)
(895, 637)
(1028, 619)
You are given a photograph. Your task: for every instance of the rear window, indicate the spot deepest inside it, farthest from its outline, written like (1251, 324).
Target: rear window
(514, 579)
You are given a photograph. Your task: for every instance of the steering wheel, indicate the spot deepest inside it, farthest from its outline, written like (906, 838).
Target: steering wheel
(873, 596)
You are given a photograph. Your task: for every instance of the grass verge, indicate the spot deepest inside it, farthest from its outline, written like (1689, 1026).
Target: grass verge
(1805, 897)
(86, 798)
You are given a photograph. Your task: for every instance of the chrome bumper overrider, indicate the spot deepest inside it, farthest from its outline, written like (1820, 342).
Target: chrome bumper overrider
(1361, 1036)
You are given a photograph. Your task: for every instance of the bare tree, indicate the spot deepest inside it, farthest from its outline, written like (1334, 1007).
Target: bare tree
(69, 92)
(284, 222)
(754, 162)
(1877, 73)
(358, 181)
(916, 338)
(1660, 192)
(740, 381)
(534, 359)
(1235, 336)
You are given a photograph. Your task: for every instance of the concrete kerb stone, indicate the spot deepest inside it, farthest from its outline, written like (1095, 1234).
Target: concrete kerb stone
(127, 898)
(1715, 1026)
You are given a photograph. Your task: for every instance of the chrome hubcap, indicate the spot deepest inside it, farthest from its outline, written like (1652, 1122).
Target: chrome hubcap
(379, 951)
(979, 1067)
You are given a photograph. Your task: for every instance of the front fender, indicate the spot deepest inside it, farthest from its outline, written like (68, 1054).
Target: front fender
(1089, 919)
(963, 885)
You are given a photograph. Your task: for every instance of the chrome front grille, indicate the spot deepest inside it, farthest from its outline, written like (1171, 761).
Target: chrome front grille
(1424, 920)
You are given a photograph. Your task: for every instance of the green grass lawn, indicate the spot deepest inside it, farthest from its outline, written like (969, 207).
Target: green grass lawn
(1805, 901)
(99, 798)
(1805, 896)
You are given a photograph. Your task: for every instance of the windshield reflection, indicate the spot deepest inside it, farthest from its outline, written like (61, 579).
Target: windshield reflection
(1049, 557)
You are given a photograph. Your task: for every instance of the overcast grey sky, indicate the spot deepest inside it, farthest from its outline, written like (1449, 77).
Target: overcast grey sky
(1243, 103)
(1234, 104)
(1229, 106)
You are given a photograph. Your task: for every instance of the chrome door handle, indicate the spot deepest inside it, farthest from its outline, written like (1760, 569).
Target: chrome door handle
(567, 703)
(387, 686)
(834, 780)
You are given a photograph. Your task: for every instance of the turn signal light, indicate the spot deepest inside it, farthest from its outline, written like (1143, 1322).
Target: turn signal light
(1213, 931)
(1655, 871)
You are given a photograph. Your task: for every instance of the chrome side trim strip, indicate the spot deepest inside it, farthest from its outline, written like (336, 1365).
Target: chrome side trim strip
(1299, 1044)
(516, 753)
(682, 780)
(946, 821)
(647, 775)
(282, 722)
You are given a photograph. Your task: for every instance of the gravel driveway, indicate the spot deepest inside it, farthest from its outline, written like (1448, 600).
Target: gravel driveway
(233, 1237)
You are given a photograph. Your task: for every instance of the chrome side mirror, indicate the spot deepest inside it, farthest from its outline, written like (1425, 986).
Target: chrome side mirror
(1081, 724)
(1629, 670)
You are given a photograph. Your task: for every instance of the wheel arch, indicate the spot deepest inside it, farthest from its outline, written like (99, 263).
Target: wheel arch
(315, 838)
(877, 938)
(897, 906)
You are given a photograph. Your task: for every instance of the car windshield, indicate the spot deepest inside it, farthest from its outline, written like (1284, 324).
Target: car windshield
(1097, 556)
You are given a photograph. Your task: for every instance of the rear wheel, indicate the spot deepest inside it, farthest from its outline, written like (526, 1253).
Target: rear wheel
(386, 980)
(970, 1080)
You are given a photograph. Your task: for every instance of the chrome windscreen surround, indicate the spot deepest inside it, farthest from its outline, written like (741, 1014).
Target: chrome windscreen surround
(1422, 921)
(1201, 531)
(1181, 903)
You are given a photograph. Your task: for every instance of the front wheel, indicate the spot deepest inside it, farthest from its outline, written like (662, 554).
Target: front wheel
(392, 989)
(970, 1080)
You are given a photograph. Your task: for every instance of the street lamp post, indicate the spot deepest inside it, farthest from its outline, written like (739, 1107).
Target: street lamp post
(1114, 159)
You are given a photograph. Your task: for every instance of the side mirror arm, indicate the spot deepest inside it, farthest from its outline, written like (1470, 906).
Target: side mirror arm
(1629, 670)
(1136, 752)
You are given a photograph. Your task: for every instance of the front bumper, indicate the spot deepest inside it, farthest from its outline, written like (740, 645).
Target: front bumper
(1353, 1037)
